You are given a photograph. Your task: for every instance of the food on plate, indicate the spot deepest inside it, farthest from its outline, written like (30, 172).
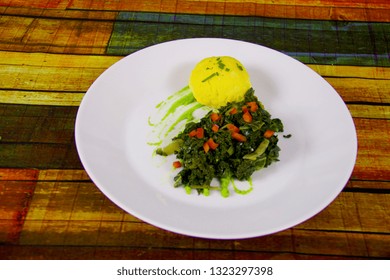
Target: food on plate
(234, 137)
(231, 143)
(217, 80)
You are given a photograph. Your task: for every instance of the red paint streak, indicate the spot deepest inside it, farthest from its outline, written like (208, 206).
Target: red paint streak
(13, 174)
(49, 4)
(16, 191)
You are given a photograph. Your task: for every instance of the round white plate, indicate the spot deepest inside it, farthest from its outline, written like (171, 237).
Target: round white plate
(315, 163)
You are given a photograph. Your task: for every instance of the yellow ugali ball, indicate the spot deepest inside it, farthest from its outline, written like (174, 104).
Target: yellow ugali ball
(217, 80)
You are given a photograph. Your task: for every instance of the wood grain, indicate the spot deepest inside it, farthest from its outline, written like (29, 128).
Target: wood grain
(346, 43)
(13, 174)
(63, 175)
(309, 3)
(139, 235)
(373, 146)
(369, 111)
(52, 51)
(39, 3)
(348, 71)
(353, 11)
(62, 202)
(15, 198)
(48, 252)
(57, 13)
(41, 78)
(39, 155)
(76, 214)
(362, 90)
(41, 98)
(29, 34)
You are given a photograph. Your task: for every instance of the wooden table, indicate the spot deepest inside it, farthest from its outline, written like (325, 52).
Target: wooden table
(51, 52)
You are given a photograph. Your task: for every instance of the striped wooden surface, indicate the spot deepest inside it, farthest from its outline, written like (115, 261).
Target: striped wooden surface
(52, 51)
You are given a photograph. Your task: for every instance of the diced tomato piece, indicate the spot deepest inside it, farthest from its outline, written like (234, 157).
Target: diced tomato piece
(233, 111)
(215, 128)
(247, 117)
(176, 164)
(199, 132)
(192, 133)
(232, 127)
(215, 117)
(212, 144)
(268, 133)
(206, 147)
(253, 107)
(239, 137)
(244, 109)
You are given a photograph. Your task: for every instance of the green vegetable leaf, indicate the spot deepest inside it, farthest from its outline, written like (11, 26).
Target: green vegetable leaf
(231, 160)
(260, 150)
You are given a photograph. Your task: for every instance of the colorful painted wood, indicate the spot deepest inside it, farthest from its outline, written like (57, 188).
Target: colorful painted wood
(52, 51)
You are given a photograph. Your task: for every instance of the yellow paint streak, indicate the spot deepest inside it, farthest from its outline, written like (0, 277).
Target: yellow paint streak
(62, 175)
(41, 98)
(56, 60)
(49, 79)
(351, 71)
(367, 111)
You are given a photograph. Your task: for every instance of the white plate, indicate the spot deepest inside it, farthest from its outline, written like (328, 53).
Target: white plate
(315, 163)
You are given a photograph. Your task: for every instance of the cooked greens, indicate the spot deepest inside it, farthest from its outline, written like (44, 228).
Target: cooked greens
(227, 144)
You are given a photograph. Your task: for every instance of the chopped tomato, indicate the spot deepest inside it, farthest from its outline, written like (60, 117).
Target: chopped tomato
(212, 144)
(244, 109)
(268, 133)
(239, 137)
(206, 147)
(232, 127)
(192, 133)
(176, 164)
(215, 128)
(233, 111)
(215, 117)
(253, 107)
(247, 117)
(199, 132)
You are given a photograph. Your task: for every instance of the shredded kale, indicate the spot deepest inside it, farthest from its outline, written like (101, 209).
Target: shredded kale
(231, 159)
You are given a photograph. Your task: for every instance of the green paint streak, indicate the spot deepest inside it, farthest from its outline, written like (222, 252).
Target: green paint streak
(243, 192)
(185, 100)
(170, 114)
(187, 115)
(155, 143)
(149, 122)
(183, 90)
(160, 104)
